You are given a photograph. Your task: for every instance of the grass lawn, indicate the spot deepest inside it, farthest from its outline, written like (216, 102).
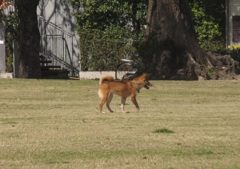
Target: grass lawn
(56, 124)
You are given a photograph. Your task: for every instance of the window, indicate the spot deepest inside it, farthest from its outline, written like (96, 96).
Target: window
(1, 33)
(236, 29)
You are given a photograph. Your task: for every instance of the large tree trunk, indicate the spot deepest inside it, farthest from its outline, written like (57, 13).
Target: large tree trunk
(28, 39)
(171, 47)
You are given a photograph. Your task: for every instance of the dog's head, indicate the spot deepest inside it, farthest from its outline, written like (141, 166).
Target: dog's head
(143, 81)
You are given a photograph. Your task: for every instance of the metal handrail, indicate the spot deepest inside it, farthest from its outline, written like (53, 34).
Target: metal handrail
(66, 53)
(55, 26)
(74, 71)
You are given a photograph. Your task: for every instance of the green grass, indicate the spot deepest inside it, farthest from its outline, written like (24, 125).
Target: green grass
(57, 124)
(163, 130)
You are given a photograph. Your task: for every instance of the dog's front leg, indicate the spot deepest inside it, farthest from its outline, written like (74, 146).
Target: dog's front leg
(123, 101)
(134, 100)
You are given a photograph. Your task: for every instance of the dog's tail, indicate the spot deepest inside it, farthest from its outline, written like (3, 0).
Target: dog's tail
(105, 78)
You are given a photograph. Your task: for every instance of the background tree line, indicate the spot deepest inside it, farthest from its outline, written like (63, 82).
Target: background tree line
(22, 26)
(114, 29)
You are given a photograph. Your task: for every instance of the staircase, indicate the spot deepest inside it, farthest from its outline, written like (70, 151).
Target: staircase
(50, 71)
(58, 56)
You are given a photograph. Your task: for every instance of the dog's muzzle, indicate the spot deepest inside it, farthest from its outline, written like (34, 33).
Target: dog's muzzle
(147, 85)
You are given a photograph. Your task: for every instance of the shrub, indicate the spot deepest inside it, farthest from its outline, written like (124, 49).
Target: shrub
(102, 50)
(234, 51)
(109, 30)
(207, 29)
(163, 130)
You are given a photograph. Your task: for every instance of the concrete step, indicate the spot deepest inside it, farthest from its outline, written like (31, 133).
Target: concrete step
(50, 67)
(43, 62)
(55, 74)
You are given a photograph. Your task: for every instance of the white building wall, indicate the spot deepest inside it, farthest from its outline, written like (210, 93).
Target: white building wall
(59, 12)
(232, 10)
(2, 49)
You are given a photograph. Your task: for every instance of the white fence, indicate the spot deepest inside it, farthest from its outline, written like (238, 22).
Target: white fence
(99, 74)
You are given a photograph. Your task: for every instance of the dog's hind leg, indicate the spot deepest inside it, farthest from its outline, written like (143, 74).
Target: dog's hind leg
(123, 101)
(104, 97)
(104, 100)
(110, 96)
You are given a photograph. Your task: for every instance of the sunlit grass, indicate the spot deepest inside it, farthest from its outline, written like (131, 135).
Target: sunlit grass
(57, 124)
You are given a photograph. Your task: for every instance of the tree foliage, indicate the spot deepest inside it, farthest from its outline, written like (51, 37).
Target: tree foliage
(114, 29)
(209, 21)
(109, 30)
(10, 21)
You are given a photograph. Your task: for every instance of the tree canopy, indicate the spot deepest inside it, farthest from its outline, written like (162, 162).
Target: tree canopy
(114, 29)
(110, 30)
(209, 23)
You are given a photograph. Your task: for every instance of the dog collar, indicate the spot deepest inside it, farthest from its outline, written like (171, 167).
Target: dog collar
(138, 88)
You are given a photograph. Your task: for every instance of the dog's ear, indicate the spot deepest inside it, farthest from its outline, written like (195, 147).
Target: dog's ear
(149, 75)
(145, 74)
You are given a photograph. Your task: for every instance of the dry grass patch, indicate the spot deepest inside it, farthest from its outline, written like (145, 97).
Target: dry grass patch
(56, 124)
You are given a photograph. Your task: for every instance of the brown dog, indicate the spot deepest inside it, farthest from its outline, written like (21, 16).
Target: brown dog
(125, 88)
